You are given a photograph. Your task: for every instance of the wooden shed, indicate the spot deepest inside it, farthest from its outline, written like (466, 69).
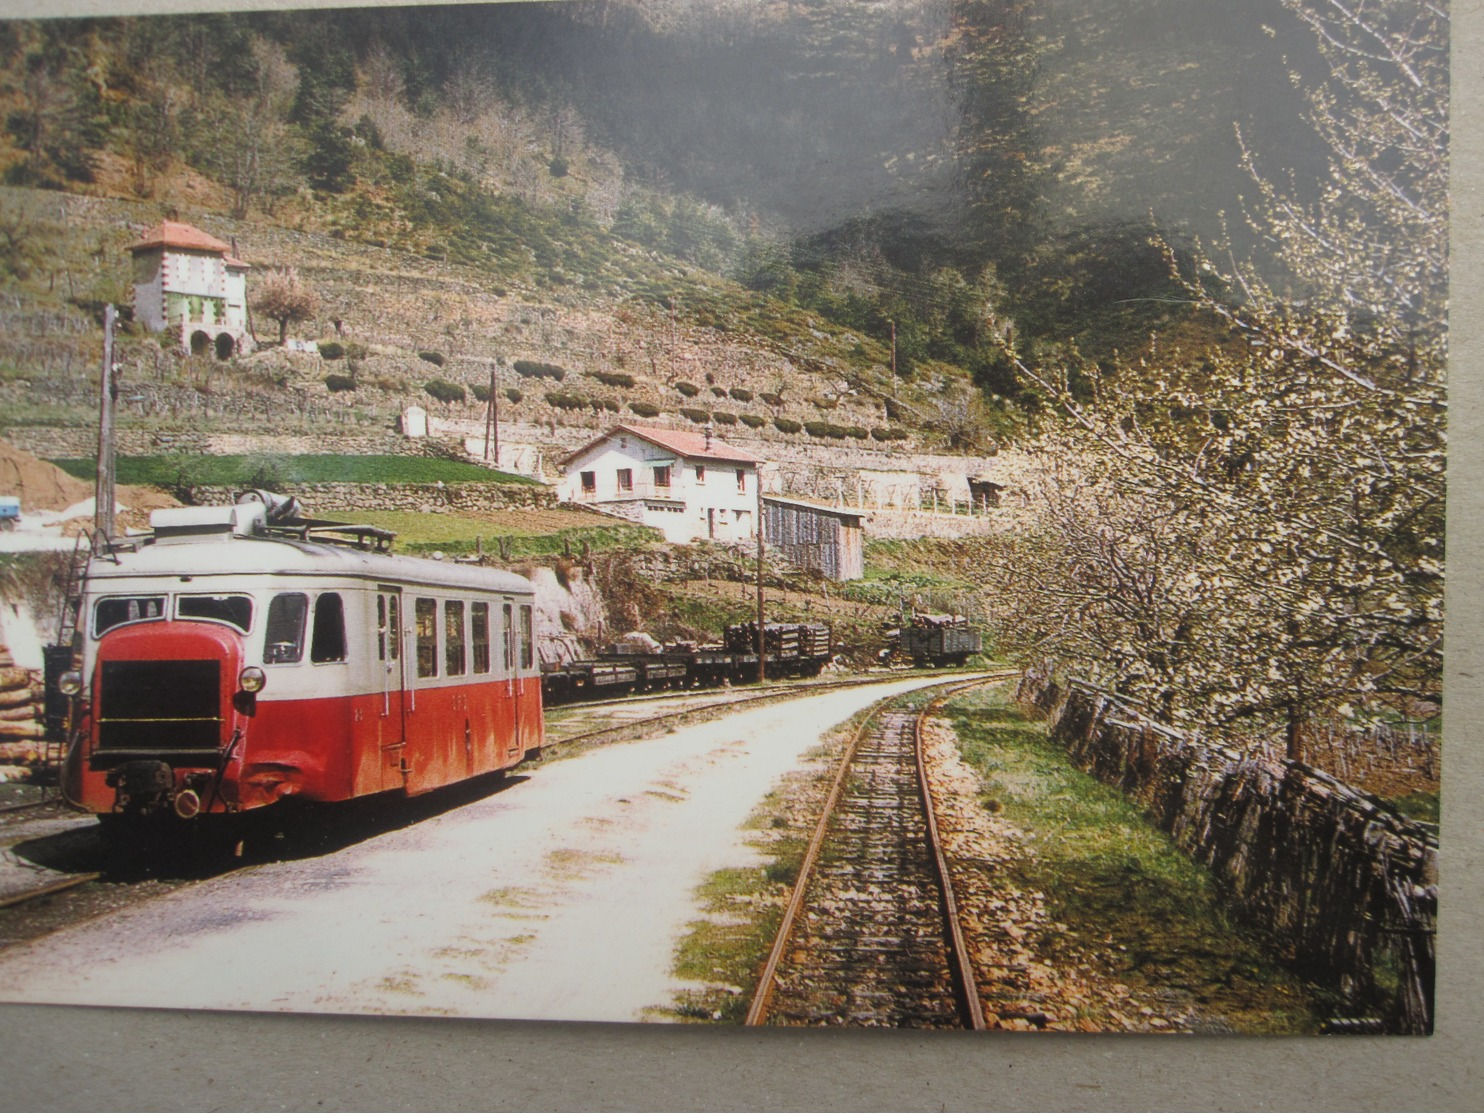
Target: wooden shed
(816, 537)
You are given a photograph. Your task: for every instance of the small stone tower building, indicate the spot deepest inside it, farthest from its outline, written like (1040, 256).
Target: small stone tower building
(188, 284)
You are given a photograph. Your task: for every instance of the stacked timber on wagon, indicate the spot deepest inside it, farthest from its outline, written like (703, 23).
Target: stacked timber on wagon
(22, 732)
(788, 645)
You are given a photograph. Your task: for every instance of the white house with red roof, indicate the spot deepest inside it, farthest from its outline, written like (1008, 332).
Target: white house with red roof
(188, 283)
(689, 484)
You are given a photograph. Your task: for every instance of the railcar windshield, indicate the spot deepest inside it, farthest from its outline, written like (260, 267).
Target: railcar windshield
(234, 609)
(114, 611)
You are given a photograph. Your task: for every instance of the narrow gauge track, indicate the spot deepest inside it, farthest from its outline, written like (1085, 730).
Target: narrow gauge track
(871, 934)
(66, 884)
(733, 700)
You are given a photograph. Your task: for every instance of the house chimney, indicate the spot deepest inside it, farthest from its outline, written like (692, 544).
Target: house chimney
(709, 429)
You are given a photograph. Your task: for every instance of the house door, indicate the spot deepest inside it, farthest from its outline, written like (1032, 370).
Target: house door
(711, 523)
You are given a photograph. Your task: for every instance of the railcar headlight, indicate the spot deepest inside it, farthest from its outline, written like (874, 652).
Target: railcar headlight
(70, 683)
(252, 679)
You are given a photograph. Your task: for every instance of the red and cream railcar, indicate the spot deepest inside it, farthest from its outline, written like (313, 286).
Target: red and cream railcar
(226, 667)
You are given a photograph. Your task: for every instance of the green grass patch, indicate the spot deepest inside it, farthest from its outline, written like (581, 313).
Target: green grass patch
(1111, 877)
(454, 532)
(171, 470)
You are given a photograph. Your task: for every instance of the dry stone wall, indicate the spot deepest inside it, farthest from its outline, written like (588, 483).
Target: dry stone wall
(1348, 884)
(467, 496)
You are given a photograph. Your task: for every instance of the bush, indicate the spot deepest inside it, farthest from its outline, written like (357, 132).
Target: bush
(607, 403)
(433, 357)
(719, 393)
(725, 417)
(754, 421)
(824, 403)
(540, 370)
(687, 389)
(356, 351)
(514, 395)
(646, 410)
(858, 432)
(696, 414)
(340, 382)
(481, 393)
(788, 426)
(613, 379)
(567, 401)
(331, 350)
(741, 395)
(888, 434)
(821, 429)
(445, 391)
(772, 399)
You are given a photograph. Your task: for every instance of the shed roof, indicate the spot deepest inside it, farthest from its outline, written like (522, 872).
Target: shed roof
(685, 444)
(177, 234)
(812, 506)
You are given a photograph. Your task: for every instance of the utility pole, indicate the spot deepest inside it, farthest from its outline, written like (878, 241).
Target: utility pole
(762, 632)
(103, 497)
(893, 358)
(492, 417)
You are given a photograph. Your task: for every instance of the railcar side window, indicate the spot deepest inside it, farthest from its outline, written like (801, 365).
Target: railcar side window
(381, 626)
(527, 644)
(114, 611)
(425, 618)
(453, 637)
(228, 608)
(394, 625)
(327, 645)
(283, 641)
(479, 636)
(509, 631)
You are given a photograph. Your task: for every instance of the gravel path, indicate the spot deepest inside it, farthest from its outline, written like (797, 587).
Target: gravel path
(560, 897)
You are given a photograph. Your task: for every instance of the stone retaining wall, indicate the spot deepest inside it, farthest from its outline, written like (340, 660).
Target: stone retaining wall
(1349, 885)
(463, 496)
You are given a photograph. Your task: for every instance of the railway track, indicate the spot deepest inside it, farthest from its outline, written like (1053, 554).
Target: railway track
(728, 700)
(871, 934)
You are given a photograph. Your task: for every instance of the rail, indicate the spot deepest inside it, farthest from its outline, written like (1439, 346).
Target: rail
(970, 1011)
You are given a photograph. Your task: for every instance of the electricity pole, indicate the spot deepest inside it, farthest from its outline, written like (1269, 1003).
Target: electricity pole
(103, 496)
(492, 417)
(762, 634)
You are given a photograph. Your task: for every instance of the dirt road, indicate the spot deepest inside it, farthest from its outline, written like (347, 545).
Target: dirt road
(559, 897)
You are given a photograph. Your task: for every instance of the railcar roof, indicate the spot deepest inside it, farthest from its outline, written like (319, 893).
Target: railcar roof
(298, 558)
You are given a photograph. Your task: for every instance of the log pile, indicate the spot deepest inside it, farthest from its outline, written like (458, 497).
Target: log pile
(1344, 881)
(22, 733)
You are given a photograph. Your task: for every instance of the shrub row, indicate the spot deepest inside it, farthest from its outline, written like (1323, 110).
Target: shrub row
(540, 370)
(754, 421)
(613, 379)
(445, 390)
(687, 389)
(646, 410)
(821, 429)
(741, 395)
(432, 356)
(340, 382)
(696, 414)
(888, 434)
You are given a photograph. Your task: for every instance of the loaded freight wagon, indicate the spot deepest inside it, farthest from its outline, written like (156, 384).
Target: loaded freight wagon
(939, 641)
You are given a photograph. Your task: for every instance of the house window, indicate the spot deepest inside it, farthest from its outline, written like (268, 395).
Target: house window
(589, 481)
(662, 477)
(700, 475)
(741, 480)
(625, 480)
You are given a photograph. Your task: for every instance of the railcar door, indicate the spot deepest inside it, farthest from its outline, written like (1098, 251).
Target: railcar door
(389, 651)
